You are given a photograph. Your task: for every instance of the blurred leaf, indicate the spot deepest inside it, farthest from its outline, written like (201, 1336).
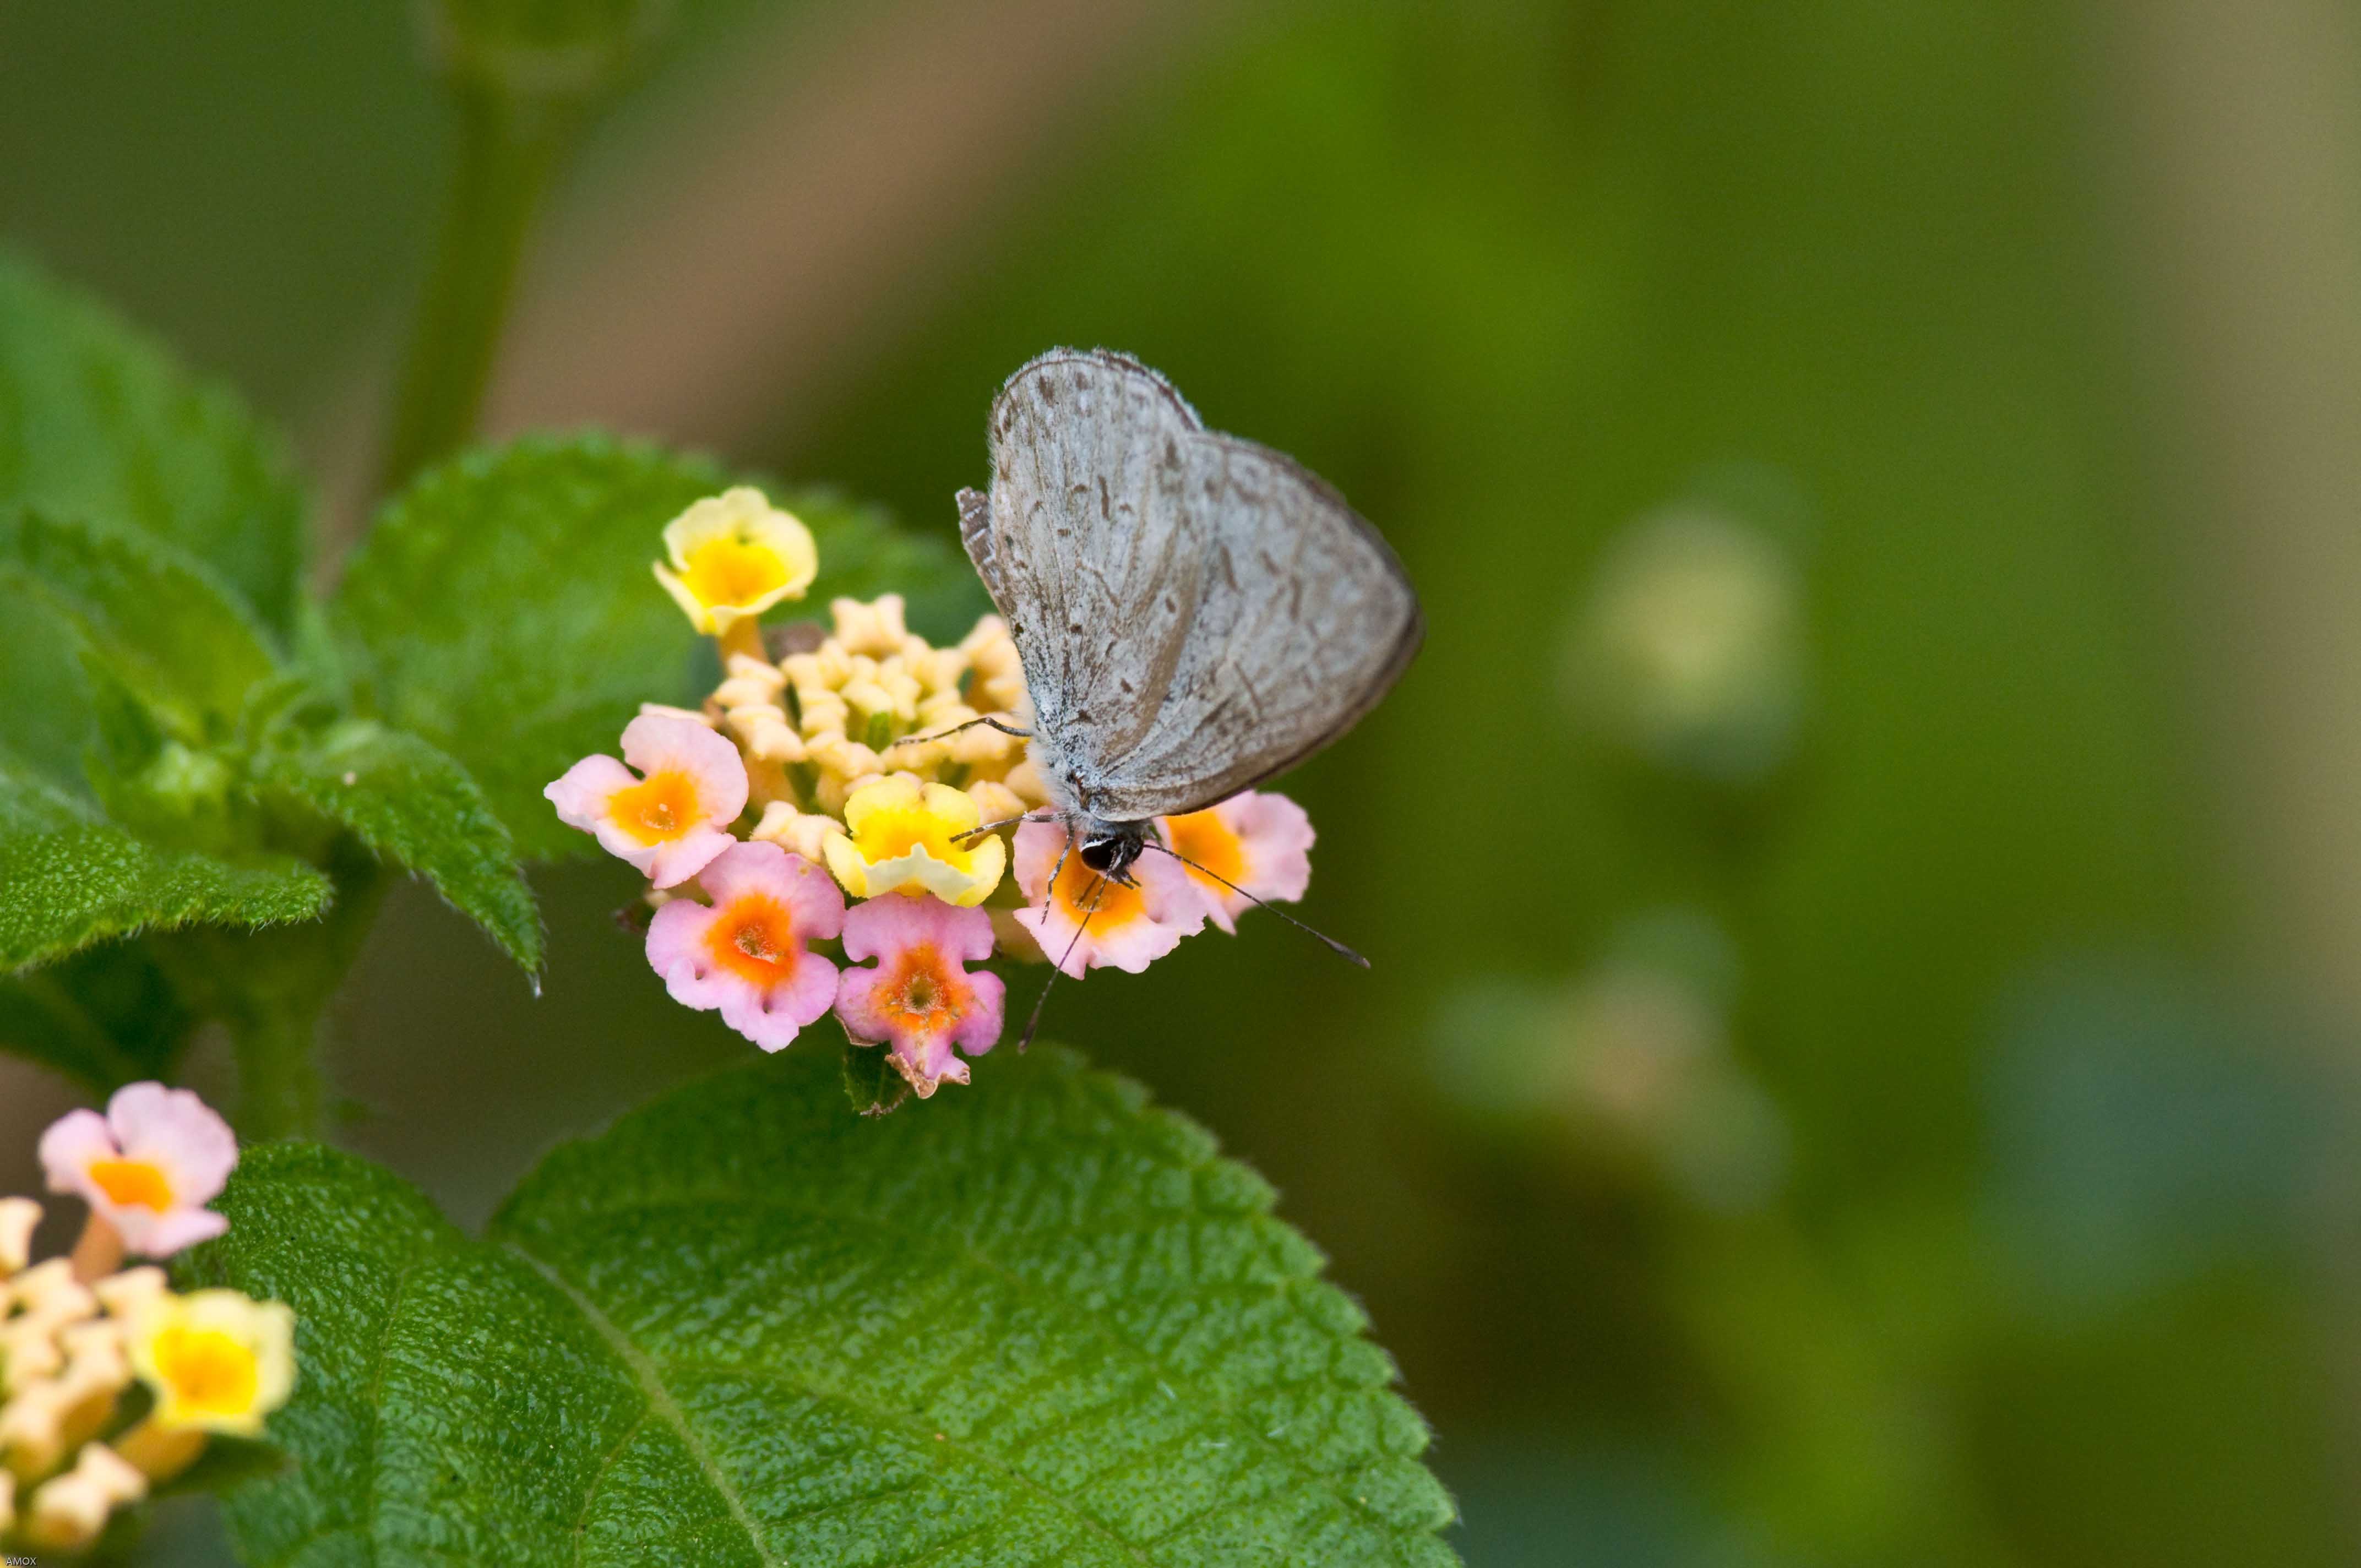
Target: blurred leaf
(1036, 1322)
(97, 421)
(864, 554)
(102, 1017)
(68, 879)
(414, 805)
(504, 609)
(45, 698)
(164, 623)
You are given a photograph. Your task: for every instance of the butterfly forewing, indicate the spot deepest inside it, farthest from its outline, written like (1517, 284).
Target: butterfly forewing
(1195, 612)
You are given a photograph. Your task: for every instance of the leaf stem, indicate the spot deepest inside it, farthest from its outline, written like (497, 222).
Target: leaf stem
(508, 148)
(279, 1093)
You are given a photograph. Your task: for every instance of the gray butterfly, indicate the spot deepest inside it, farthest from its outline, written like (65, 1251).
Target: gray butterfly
(1195, 612)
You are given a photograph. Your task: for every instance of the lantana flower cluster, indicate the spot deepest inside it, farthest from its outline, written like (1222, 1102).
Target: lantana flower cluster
(110, 1384)
(854, 792)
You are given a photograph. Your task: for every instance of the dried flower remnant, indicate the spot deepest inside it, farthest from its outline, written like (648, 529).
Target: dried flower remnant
(733, 556)
(918, 998)
(146, 1168)
(747, 952)
(1088, 921)
(675, 818)
(1254, 845)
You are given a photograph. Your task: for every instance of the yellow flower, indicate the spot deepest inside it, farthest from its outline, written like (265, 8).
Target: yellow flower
(904, 838)
(733, 556)
(216, 1360)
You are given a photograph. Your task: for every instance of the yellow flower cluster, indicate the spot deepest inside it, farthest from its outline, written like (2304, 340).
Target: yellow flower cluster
(71, 1351)
(847, 758)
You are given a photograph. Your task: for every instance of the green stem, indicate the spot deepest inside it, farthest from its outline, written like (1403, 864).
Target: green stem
(508, 152)
(277, 1074)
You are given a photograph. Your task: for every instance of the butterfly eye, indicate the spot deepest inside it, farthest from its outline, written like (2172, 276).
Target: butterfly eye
(1099, 854)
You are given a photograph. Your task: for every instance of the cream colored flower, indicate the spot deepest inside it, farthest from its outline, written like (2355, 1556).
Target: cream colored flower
(875, 628)
(18, 1217)
(803, 833)
(67, 1513)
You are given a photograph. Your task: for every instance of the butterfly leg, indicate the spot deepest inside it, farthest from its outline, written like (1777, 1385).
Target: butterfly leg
(987, 720)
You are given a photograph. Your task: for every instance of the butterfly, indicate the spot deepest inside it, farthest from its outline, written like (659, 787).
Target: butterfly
(1194, 612)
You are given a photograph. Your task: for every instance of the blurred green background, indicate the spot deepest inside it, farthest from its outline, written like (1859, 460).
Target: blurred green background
(1856, 1068)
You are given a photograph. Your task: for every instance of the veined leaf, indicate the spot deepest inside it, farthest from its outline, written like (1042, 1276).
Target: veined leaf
(414, 805)
(98, 421)
(159, 617)
(68, 878)
(1036, 1323)
(504, 609)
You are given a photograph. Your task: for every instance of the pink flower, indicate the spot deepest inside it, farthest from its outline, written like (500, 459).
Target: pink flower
(1129, 928)
(917, 997)
(673, 820)
(744, 952)
(1259, 843)
(148, 1168)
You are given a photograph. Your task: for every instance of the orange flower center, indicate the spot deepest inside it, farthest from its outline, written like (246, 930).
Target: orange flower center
(732, 571)
(658, 809)
(928, 995)
(132, 1184)
(208, 1371)
(755, 939)
(1204, 837)
(1082, 890)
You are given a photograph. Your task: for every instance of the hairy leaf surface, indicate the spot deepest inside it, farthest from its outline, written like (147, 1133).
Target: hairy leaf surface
(414, 805)
(504, 609)
(1035, 1322)
(97, 421)
(68, 878)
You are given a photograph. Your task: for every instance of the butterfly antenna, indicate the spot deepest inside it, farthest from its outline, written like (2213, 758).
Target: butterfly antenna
(986, 720)
(1331, 943)
(1098, 888)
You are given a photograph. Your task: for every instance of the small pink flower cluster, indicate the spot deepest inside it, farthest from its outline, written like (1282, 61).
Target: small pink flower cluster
(747, 950)
(855, 766)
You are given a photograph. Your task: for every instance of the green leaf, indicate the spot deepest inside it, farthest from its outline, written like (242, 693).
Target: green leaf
(68, 878)
(503, 606)
(45, 698)
(98, 421)
(1035, 1322)
(162, 622)
(414, 805)
(102, 1017)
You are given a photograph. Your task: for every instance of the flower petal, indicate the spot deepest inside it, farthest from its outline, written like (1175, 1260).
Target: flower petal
(72, 1143)
(653, 744)
(180, 1133)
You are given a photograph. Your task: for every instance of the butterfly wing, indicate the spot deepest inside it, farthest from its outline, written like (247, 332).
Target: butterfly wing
(1304, 619)
(1195, 612)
